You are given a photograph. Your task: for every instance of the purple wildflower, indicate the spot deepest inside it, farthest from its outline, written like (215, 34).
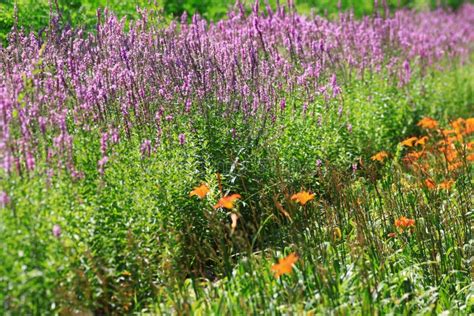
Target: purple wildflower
(182, 139)
(283, 105)
(145, 148)
(319, 163)
(102, 163)
(349, 127)
(4, 199)
(56, 231)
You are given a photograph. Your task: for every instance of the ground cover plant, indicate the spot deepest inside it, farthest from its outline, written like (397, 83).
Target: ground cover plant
(269, 161)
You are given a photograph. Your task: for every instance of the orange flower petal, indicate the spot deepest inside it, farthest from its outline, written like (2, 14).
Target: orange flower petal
(447, 184)
(227, 201)
(470, 125)
(409, 142)
(430, 184)
(422, 141)
(404, 222)
(428, 123)
(302, 197)
(284, 265)
(458, 125)
(454, 166)
(200, 191)
(380, 156)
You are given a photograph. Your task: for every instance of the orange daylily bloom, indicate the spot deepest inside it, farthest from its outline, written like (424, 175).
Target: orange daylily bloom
(409, 141)
(200, 191)
(413, 156)
(227, 201)
(470, 125)
(447, 132)
(470, 145)
(428, 123)
(450, 154)
(454, 166)
(422, 140)
(380, 156)
(284, 265)
(470, 157)
(458, 125)
(458, 137)
(430, 184)
(302, 197)
(423, 167)
(447, 184)
(404, 222)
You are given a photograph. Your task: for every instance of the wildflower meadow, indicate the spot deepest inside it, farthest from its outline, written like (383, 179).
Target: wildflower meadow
(239, 159)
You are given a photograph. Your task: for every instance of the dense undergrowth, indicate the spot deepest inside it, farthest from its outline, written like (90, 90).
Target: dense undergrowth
(105, 135)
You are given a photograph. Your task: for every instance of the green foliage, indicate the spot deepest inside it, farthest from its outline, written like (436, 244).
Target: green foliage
(133, 239)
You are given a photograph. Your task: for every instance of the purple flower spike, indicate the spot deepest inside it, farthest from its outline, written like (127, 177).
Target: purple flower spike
(102, 163)
(56, 230)
(319, 163)
(182, 139)
(4, 199)
(145, 148)
(283, 105)
(349, 127)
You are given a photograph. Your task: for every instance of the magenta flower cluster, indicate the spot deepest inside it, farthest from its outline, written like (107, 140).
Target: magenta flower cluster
(120, 79)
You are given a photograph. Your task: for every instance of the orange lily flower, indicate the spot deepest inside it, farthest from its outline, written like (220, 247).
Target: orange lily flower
(430, 184)
(227, 201)
(447, 184)
(447, 132)
(428, 123)
(422, 140)
(404, 222)
(470, 125)
(454, 166)
(450, 154)
(200, 191)
(409, 141)
(284, 265)
(413, 156)
(302, 197)
(380, 156)
(458, 125)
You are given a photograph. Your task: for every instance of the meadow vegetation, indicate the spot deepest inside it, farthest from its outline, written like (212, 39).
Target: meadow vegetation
(269, 161)
(34, 14)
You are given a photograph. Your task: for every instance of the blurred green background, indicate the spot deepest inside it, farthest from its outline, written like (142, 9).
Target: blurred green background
(34, 14)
